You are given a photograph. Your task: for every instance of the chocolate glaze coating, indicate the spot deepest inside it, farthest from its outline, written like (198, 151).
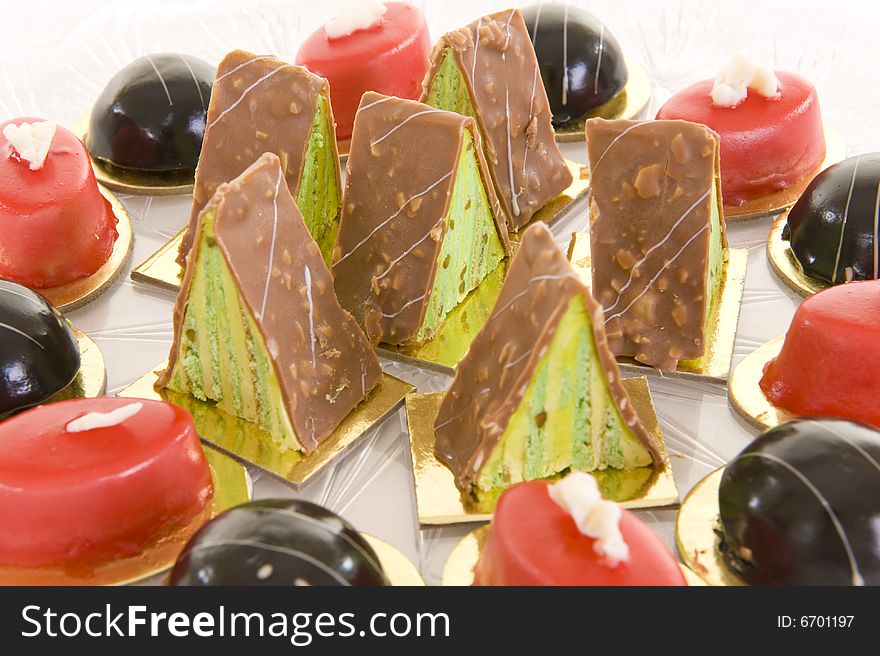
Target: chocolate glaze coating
(582, 65)
(278, 542)
(151, 115)
(831, 230)
(801, 505)
(39, 355)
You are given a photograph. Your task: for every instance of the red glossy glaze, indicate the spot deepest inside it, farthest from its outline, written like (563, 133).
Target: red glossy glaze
(829, 365)
(767, 144)
(391, 58)
(87, 497)
(55, 226)
(533, 541)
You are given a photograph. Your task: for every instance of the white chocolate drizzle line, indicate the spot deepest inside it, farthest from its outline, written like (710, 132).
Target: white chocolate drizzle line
(513, 191)
(655, 247)
(876, 221)
(843, 223)
(402, 123)
(322, 525)
(242, 65)
(599, 58)
(287, 551)
(245, 93)
(93, 420)
(372, 104)
(23, 334)
(659, 273)
(867, 456)
(531, 116)
(497, 313)
(161, 79)
(857, 579)
(195, 81)
(15, 292)
(390, 218)
(271, 245)
(614, 141)
(476, 51)
(537, 22)
(405, 307)
(408, 250)
(565, 55)
(308, 275)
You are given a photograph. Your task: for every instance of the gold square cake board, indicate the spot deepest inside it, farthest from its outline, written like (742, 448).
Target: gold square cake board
(714, 366)
(246, 442)
(439, 502)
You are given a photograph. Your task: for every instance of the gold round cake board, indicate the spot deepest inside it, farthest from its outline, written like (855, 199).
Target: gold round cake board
(835, 151)
(399, 569)
(91, 380)
(745, 394)
(785, 265)
(232, 487)
(132, 181)
(638, 93)
(695, 536)
(459, 568)
(75, 294)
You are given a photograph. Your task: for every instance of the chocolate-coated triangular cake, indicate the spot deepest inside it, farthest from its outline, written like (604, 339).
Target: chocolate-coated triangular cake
(488, 70)
(657, 236)
(257, 327)
(260, 104)
(539, 393)
(421, 226)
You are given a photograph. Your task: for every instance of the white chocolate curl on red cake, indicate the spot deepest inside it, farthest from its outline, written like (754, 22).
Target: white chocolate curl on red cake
(31, 141)
(354, 16)
(578, 494)
(93, 420)
(737, 76)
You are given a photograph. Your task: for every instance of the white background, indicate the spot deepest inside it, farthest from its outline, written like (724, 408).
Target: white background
(55, 57)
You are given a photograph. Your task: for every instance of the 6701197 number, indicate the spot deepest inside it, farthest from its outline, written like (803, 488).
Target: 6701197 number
(815, 621)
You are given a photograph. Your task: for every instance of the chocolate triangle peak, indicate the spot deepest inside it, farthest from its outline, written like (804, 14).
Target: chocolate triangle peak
(257, 327)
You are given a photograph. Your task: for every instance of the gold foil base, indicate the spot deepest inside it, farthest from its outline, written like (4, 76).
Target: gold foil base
(459, 568)
(398, 568)
(75, 294)
(745, 394)
(629, 103)
(232, 487)
(835, 151)
(785, 264)
(695, 536)
(132, 181)
(245, 441)
(714, 366)
(162, 270)
(91, 381)
(440, 502)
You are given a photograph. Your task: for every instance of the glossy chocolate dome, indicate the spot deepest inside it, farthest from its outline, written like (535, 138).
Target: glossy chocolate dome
(801, 505)
(832, 226)
(582, 65)
(151, 115)
(278, 542)
(39, 355)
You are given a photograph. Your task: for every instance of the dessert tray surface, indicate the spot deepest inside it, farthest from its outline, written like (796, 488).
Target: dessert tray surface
(371, 485)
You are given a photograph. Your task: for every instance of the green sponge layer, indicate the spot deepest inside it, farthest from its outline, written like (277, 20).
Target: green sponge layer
(567, 419)
(318, 199)
(448, 90)
(222, 356)
(471, 247)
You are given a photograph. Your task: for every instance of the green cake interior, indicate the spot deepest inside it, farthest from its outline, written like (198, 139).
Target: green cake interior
(471, 248)
(448, 89)
(568, 419)
(716, 256)
(223, 357)
(318, 199)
